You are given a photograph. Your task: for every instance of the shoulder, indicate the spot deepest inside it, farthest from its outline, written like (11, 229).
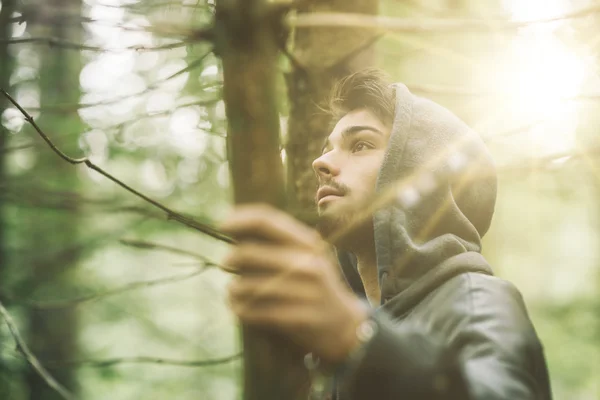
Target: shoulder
(478, 307)
(483, 321)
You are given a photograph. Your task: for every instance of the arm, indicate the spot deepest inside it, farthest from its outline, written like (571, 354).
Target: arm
(490, 350)
(499, 352)
(402, 362)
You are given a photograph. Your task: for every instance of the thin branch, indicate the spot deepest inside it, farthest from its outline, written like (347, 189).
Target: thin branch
(199, 35)
(75, 19)
(142, 6)
(172, 215)
(405, 25)
(465, 91)
(547, 162)
(157, 246)
(10, 149)
(49, 305)
(122, 125)
(152, 86)
(346, 58)
(31, 359)
(146, 360)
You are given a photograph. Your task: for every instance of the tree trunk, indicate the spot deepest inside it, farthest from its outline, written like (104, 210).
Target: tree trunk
(6, 67)
(246, 37)
(323, 56)
(53, 333)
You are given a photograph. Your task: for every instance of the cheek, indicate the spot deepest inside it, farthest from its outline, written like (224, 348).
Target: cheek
(365, 175)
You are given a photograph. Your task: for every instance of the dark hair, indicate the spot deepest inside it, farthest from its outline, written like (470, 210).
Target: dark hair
(369, 88)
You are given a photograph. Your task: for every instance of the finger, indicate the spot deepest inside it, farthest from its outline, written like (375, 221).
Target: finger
(283, 314)
(255, 258)
(253, 290)
(268, 223)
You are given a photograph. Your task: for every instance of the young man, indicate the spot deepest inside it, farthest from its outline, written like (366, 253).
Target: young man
(406, 191)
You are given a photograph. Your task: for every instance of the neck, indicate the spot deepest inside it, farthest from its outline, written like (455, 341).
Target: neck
(367, 269)
(361, 243)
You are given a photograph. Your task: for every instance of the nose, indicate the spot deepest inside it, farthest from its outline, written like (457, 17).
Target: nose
(324, 166)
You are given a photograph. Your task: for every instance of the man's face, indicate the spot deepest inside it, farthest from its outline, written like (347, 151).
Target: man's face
(348, 168)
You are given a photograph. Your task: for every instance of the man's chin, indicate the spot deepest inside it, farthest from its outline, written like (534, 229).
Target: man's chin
(332, 223)
(337, 225)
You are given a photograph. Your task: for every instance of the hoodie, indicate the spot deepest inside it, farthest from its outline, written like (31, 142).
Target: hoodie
(446, 327)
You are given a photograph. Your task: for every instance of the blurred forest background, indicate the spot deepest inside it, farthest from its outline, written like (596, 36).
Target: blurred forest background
(118, 302)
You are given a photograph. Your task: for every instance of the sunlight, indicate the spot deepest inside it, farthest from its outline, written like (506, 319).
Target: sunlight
(542, 76)
(524, 10)
(545, 75)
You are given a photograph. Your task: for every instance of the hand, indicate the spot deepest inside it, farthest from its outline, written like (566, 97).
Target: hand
(288, 281)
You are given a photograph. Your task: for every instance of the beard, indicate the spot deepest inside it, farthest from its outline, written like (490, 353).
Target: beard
(338, 218)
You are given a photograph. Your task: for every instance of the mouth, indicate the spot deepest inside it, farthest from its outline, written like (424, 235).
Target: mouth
(326, 193)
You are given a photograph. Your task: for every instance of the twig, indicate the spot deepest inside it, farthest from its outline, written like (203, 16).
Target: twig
(546, 162)
(391, 24)
(54, 42)
(15, 148)
(187, 221)
(200, 35)
(31, 359)
(150, 87)
(122, 125)
(347, 57)
(49, 305)
(157, 246)
(143, 6)
(146, 360)
(464, 91)
(78, 19)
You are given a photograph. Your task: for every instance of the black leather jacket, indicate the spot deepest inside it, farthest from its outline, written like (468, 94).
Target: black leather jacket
(470, 338)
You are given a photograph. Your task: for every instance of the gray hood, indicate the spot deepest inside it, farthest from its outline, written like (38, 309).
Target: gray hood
(445, 184)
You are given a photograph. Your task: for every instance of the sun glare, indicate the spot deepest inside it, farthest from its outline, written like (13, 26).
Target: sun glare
(542, 76)
(545, 75)
(526, 10)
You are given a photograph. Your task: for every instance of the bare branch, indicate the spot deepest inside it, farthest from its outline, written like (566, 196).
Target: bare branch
(464, 91)
(122, 125)
(146, 360)
(143, 6)
(48, 305)
(75, 19)
(65, 44)
(10, 149)
(197, 36)
(31, 359)
(157, 246)
(188, 221)
(150, 87)
(390, 24)
(537, 164)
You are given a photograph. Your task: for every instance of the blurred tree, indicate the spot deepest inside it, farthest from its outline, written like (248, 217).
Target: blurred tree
(320, 57)
(247, 45)
(49, 248)
(6, 67)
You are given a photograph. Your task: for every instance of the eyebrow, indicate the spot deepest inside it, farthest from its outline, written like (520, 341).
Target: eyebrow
(352, 130)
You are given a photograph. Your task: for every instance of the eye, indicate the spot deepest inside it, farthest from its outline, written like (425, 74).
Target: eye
(360, 146)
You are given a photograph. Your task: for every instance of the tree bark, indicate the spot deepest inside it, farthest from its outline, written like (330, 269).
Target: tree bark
(53, 333)
(323, 56)
(6, 68)
(246, 42)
